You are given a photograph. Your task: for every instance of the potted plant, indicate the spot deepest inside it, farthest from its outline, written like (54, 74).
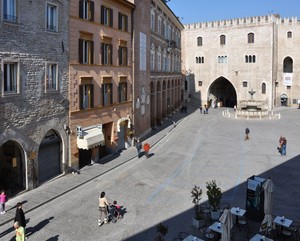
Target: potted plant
(198, 217)
(214, 195)
(162, 231)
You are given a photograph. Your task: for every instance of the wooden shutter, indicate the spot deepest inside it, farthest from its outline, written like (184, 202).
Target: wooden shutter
(92, 96)
(80, 9)
(126, 57)
(120, 21)
(126, 23)
(111, 54)
(91, 11)
(111, 18)
(102, 53)
(80, 56)
(120, 55)
(80, 97)
(102, 15)
(92, 52)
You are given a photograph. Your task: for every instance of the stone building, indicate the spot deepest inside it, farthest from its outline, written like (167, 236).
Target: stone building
(33, 92)
(157, 84)
(227, 61)
(100, 75)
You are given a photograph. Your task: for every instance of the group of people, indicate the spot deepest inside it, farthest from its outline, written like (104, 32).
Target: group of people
(19, 221)
(104, 206)
(139, 146)
(205, 111)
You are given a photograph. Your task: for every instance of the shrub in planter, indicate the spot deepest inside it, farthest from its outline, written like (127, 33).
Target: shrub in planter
(197, 195)
(214, 195)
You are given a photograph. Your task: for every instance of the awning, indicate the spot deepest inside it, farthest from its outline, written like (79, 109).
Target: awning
(90, 138)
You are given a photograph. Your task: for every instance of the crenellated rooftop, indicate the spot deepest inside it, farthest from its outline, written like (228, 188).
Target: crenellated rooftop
(259, 20)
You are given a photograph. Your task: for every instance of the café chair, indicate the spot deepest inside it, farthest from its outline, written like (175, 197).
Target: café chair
(224, 206)
(243, 224)
(207, 234)
(183, 235)
(292, 232)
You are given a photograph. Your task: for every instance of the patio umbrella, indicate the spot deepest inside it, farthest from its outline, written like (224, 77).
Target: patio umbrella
(226, 220)
(268, 187)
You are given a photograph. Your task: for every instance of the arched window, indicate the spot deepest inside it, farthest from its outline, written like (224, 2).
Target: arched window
(250, 38)
(289, 34)
(253, 58)
(250, 58)
(197, 61)
(199, 41)
(202, 59)
(263, 88)
(246, 59)
(288, 65)
(222, 39)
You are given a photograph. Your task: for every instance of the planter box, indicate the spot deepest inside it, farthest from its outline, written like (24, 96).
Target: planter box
(198, 223)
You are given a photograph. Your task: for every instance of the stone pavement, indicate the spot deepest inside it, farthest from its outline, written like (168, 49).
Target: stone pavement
(65, 183)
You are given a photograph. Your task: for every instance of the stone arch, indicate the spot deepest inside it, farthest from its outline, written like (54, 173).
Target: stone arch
(12, 168)
(50, 156)
(222, 92)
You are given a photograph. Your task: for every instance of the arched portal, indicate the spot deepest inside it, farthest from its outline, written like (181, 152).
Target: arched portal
(12, 168)
(223, 92)
(49, 158)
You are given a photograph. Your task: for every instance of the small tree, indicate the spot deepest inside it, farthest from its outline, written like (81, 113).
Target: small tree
(214, 194)
(197, 195)
(162, 231)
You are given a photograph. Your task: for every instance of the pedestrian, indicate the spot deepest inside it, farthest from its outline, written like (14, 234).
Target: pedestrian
(147, 149)
(20, 217)
(200, 109)
(282, 145)
(2, 201)
(138, 146)
(20, 232)
(234, 108)
(103, 208)
(247, 131)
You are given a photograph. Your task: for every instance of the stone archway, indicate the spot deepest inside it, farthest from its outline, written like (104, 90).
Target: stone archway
(222, 93)
(12, 168)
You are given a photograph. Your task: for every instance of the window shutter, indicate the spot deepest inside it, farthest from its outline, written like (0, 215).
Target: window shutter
(119, 90)
(92, 52)
(80, 56)
(102, 15)
(126, 23)
(80, 97)
(125, 57)
(111, 93)
(111, 54)
(102, 53)
(80, 9)
(111, 18)
(92, 96)
(92, 11)
(120, 21)
(120, 55)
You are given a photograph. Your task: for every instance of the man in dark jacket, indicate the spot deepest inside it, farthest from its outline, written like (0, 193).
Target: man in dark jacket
(20, 216)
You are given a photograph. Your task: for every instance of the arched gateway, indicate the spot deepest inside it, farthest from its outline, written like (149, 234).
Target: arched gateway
(221, 92)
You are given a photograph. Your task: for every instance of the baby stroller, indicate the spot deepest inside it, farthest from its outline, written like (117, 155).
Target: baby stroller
(115, 212)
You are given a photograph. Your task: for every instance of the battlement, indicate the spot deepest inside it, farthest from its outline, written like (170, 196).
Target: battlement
(259, 20)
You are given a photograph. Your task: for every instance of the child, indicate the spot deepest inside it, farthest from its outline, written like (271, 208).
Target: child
(2, 201)
(116, 211)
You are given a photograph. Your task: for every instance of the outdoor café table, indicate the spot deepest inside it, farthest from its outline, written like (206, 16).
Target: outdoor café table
(283, 221)
(216, 227)
(238, 212)
(192, 238)
(259, 237)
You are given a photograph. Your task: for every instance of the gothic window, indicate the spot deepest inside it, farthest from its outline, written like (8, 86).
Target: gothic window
(263, 88)
(250, 38)
(222, 39)
(199, 41)
(288, 65)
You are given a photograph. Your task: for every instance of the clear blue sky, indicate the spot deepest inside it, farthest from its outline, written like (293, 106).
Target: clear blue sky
(192, 11)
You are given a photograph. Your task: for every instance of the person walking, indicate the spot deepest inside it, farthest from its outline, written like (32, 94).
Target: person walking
(2, 201)
(147, 149)
(138, 146)
(20, 216)
(247, 131)
(200, 109)
(103, 207)
(282, 145)
(20, 232)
